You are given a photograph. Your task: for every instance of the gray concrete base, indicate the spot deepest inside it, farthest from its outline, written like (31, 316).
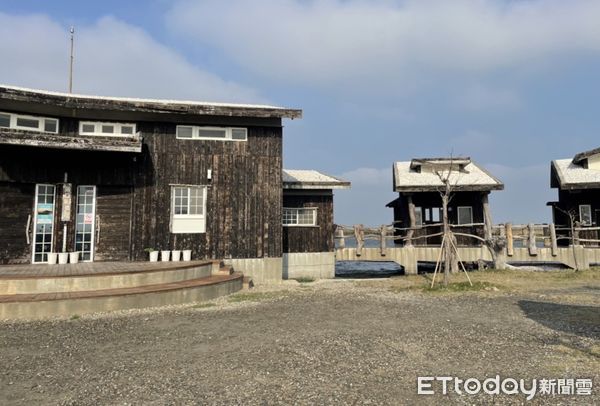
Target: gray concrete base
(316, 265)
(409, 256)
(70, 307)
(263, 271)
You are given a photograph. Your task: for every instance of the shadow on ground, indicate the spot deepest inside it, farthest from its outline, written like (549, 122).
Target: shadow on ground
(579, 320)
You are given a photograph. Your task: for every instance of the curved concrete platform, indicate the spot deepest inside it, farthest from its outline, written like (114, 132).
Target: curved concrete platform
(52, 280)
(39, 306)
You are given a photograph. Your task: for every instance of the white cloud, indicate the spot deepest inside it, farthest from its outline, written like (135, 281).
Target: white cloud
(111, 58)
(329, 42)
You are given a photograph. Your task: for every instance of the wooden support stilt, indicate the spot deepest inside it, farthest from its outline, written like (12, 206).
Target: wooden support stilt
(509, 240)
(487, 217)
(412, 220)
(553, 244)
(382, 240)
(359, 234)
(531, 239)
(339, 235)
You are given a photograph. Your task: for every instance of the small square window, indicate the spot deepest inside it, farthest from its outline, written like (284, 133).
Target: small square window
(127, 129)
(240, 134)
(88, 128)
(212, 133)
(4, 120)
(108, 129)
(50, 125)
(185, 132)
(28, 122)
(465, 215)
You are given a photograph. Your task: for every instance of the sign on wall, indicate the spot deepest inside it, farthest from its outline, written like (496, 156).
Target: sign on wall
(67, 195)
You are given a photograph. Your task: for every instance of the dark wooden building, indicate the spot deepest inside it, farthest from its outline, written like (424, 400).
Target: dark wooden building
(308, 225)
(418, 208)
(110, 177)
(578, 184)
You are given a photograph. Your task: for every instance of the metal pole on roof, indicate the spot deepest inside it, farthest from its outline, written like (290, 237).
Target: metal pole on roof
(71, 62)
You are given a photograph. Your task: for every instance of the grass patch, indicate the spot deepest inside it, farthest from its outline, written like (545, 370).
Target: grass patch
(305, 279)
(203, 305)
(254, 296)
(75, 317)
(461, 287)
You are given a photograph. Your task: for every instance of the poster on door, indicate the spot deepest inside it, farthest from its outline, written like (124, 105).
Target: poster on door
(88, 218)
(45, 213)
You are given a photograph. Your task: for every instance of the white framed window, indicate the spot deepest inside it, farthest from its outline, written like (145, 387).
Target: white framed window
(465, 214)
(585, 214)
(193, 132)
(106, 129)
(29, 123)
(300, 217)
(188, 209)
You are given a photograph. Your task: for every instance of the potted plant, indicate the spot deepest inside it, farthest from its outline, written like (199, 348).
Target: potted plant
(175, 255)
(52, 258)
(74, 257)
(165, 255)
(153, 254)
(187, 255)
(63, 258)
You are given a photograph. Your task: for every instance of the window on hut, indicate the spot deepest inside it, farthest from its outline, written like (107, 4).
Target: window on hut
(106, 129)
(465, 215)
(30, 123)
(585, 214)
(188, 214)
(299, 216)
(211, 133)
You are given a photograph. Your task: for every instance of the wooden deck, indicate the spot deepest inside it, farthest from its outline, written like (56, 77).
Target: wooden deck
(91, 269)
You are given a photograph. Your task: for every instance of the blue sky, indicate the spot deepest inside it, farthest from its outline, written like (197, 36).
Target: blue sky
(513, 84)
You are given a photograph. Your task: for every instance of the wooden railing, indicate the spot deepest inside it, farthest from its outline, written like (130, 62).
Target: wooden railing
(532, 236)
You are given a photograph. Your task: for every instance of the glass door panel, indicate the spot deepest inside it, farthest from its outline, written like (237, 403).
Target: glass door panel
(85, 221)
(44, 222)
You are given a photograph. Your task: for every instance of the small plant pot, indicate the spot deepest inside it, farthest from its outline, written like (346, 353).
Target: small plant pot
(175, 255)
(73, 257)
(52, 258)
(165, 256)
(63, 258)
(187, 255)
(153, 256)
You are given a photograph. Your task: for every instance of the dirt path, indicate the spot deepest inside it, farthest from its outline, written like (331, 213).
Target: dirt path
(322, 343)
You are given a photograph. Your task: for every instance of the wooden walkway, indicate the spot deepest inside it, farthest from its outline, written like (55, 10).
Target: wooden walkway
(91, 269)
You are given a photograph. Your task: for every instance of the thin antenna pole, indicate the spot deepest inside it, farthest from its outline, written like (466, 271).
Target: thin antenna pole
(71, 62)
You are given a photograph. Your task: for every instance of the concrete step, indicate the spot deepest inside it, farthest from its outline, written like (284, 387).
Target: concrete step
(100, 276)
(43, 305)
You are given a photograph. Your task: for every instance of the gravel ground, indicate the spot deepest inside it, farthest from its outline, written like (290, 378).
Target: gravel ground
(322, 343)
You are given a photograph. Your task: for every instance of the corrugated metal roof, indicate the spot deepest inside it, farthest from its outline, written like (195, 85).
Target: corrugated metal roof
(311, 179)
(469, 177)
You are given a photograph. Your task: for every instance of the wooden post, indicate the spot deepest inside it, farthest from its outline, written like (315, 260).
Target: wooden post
(531, 239)
(509, 240)
(339, 235)
(359, 234)
(412, 221)
(382, 240)
(487, 217)
(553, 244)
(576, 233)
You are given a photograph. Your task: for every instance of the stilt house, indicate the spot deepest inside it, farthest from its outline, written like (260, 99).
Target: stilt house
(418, 208)
(578, 184)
